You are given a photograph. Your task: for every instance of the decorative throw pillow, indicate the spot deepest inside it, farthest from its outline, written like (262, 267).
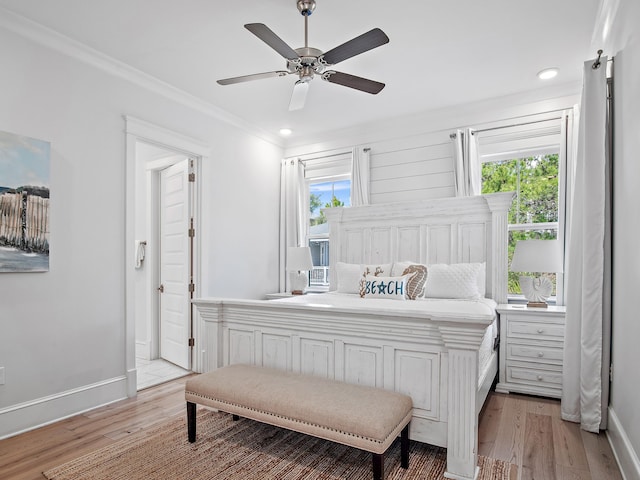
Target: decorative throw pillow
(379, 269)
(349, 275)
(458, 280)
(363, 281)
(394, 288)
(415, 285)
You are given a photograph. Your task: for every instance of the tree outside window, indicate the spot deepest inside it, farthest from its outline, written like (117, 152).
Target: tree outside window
(534, 212)
(327, 194)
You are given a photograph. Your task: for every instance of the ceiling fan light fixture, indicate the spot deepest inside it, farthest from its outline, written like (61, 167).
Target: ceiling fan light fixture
(299, 95)
(548, 73)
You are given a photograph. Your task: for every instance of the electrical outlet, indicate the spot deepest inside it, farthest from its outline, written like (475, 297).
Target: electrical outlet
(1, 375)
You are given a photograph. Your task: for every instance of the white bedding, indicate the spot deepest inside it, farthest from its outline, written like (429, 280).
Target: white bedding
(435, 306)
(430, 306)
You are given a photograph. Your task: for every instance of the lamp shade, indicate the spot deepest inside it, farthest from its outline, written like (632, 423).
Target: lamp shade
(537, 256)
(299, 259)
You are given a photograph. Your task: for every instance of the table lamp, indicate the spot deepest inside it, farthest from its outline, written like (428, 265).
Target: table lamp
(536, 256)
(298, 264)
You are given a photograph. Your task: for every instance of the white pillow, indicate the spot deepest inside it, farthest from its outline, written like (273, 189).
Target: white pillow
(399, 267)
(394, 288)
(458, 280)
(350, 274)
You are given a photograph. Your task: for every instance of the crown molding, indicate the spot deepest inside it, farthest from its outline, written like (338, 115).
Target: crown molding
(49, 38)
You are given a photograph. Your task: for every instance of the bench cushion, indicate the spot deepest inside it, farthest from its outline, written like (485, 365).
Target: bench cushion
(363, 417)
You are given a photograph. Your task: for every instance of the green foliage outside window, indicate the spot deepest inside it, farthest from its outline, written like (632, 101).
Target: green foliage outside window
(535, 181)
(326, 194)
(315, 202)
(320, 219)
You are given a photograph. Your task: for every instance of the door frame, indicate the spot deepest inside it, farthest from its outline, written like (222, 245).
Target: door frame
(140, 131)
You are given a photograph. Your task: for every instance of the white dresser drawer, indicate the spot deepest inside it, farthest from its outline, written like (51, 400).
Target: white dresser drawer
(535, 330)
(535, 353)
(546, 378)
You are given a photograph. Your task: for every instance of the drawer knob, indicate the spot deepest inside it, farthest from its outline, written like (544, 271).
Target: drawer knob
(540, 377)
(540, 354)
(540, 330)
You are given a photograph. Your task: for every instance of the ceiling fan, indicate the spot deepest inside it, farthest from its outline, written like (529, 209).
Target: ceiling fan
(306, 62)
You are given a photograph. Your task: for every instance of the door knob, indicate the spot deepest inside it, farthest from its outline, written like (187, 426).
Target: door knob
(161, 288)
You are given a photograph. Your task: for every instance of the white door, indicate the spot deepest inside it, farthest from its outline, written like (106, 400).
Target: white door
(175, 305)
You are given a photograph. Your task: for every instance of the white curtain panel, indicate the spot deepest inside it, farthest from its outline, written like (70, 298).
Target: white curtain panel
(585, 371)
(292, 204)
(466, 164)
(360, 168)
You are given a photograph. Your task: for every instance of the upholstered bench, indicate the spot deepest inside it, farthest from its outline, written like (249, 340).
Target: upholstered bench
(362, 417)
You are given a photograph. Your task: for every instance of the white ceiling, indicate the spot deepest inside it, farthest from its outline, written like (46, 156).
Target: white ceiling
(441, 53)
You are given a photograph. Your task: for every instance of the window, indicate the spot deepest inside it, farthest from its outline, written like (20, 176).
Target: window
(527, 161)
(324, 193)
(328, 184)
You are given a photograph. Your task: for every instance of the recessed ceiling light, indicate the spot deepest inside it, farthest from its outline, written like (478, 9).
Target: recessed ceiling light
(285, 131)
(547, 73)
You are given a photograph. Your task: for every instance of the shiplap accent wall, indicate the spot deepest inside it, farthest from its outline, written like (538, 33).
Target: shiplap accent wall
(414, 168)
(418, 167)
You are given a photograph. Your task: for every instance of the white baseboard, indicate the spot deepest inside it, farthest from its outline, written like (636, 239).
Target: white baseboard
(626, 456)
(132, 382)
(33, 414)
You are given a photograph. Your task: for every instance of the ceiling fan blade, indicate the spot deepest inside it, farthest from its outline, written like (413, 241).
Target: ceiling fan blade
(255, 76)
(265, 34)
(365, 42)
(359, 83)
(299, 95)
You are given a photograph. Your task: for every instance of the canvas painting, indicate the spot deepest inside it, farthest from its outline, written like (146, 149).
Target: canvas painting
(24, 204)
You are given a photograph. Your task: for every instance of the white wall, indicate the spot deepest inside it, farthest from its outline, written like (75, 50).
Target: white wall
(620, 37)
(62, 333)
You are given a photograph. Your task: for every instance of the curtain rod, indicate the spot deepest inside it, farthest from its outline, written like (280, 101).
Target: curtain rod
(304, 162)
(596, 64)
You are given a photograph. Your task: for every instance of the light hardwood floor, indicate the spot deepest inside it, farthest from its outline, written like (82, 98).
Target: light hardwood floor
(526, 431)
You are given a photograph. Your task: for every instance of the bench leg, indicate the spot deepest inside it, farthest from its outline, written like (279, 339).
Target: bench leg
(378, 466)
(191, 421)
(404, 447)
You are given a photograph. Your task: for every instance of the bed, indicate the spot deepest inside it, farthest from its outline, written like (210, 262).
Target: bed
(441, 352)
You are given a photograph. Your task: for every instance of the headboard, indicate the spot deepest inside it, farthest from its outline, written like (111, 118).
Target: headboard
(445, 230)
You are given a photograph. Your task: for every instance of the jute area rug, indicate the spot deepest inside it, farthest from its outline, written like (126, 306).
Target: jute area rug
(248, 450)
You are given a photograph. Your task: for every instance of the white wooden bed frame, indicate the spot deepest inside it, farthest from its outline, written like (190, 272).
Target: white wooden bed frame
(434, 359)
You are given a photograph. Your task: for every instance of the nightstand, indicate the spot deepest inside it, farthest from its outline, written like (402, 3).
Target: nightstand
(274, 296)
(531, 350)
